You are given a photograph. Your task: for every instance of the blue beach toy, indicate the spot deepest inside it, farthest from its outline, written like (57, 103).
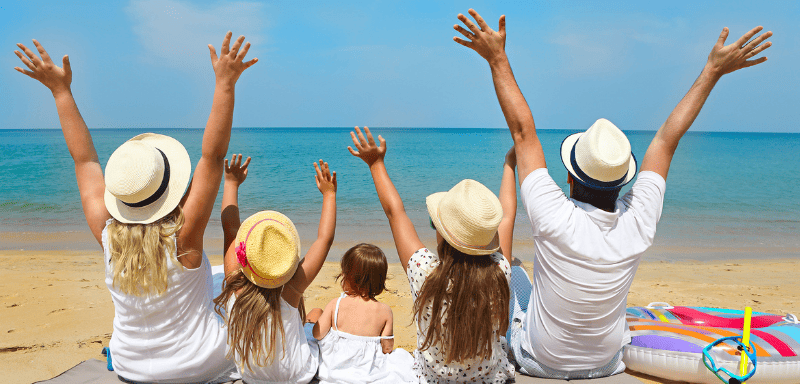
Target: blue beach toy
(733, 378)
(107, 353)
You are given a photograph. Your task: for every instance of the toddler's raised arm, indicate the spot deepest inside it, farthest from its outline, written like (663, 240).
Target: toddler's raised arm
(315, 257)
(235, 174)
(405, 235)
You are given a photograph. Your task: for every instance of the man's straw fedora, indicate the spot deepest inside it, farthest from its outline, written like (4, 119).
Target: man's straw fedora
(599, 158)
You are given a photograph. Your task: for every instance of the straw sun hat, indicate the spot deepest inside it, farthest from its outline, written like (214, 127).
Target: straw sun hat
(268, 249)
(467, 217)
(599, 158)
(145, 178)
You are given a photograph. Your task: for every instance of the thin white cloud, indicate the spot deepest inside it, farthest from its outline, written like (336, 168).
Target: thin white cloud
(592, 47)
(176, 33)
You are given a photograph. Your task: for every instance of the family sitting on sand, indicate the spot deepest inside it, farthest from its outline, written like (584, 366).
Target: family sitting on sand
(479, 318)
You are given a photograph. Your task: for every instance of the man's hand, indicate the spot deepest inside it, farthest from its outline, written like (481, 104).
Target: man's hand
(368, 150)
(489, 44)
(55, 78)
(726, 59)
(326, 180)
(229, 66)
(236, 173)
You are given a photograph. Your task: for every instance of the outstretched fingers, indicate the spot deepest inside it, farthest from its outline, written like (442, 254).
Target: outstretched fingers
(65, 64)
(723, 36)
(356, 142)
(361, 138)
(24, 72)
(236, 45)
(751, 63)
(479, 19)
(758, 40)
(502, 25)
(240, 56)
(246, 163)
(747, 36)
(34, 59)
(226, 43)
(25, 61)
(464, 32)
(42, 52)
(370, 140)
(213, 52)
(463, 42)
(472, 27)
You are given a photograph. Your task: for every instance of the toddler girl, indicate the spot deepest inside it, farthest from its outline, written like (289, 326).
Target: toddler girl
(355, 331)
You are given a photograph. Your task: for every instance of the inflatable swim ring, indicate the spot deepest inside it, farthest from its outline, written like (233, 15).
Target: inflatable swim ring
(668, 342)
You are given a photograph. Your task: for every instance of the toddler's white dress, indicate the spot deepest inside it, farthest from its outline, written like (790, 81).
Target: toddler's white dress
(348, 358)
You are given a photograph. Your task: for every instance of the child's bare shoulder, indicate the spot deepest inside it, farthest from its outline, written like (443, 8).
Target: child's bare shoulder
(384, 309)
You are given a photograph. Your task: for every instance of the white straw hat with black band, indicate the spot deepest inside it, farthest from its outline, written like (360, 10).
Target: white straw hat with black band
(146, 178)
(467, 217)
(599, 158)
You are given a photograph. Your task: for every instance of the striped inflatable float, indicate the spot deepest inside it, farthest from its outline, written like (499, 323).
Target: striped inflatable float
(667, 342)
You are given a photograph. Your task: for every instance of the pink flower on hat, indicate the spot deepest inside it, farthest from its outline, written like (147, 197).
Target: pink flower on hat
(241, 254)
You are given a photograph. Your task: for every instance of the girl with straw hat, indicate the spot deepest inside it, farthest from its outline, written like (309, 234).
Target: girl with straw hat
(165, 329)
(262, 296)
(461, 296)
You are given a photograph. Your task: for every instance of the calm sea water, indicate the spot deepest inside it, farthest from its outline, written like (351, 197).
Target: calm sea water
(725, 190)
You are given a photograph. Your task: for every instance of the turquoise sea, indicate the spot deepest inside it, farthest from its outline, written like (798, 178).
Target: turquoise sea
(728, 194)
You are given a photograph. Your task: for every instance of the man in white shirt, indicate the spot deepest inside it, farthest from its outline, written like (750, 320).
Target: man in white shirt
(588, 246)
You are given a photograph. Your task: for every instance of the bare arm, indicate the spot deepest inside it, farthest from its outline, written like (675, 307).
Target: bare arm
(235, 174)
(325, 321)
(491, 46)
(387, 345)
(315, 257)
(405, 236)
(722, 60)
(88, 172)
(508, 200)
(199, 202)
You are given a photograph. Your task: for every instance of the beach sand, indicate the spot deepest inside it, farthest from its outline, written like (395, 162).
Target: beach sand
(55, 310)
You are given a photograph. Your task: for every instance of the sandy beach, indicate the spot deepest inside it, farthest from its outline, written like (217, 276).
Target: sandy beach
(55, 310)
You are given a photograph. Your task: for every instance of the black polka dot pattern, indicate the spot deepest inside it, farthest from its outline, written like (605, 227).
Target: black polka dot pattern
(429, 365)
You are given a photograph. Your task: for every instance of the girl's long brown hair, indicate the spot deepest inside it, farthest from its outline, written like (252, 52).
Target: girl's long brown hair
(255, 307)
(139, 253)
(469, 299)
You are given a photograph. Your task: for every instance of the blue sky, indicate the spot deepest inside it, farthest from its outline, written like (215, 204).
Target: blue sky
(394, 64)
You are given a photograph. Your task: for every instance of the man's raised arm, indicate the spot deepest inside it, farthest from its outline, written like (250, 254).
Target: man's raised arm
(722, 60)
(491, 46)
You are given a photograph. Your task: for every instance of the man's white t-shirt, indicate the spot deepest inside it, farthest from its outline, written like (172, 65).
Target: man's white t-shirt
(585, 262)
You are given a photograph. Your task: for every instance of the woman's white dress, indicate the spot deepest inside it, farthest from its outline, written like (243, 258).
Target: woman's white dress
(297, 358)
(348, 358)
(175, 337)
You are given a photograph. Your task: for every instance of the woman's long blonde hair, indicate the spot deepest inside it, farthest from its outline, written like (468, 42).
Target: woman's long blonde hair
(138, 253)
(254, 308)
(469, 298)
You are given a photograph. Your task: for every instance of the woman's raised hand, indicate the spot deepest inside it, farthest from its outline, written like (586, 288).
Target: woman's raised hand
(368, 150)
(326, 180)
(229, 65)
(43, 69)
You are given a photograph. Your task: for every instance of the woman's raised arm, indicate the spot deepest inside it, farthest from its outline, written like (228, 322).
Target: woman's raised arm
(88, 172)
(199, 199)
(405, 235)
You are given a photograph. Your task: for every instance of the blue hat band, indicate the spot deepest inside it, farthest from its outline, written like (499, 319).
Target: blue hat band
(591, 182)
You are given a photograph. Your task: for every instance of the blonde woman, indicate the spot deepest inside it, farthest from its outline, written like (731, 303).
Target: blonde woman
(461, 293)
(165, 329)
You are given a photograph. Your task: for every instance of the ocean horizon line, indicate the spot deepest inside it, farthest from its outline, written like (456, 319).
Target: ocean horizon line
(397, 129)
